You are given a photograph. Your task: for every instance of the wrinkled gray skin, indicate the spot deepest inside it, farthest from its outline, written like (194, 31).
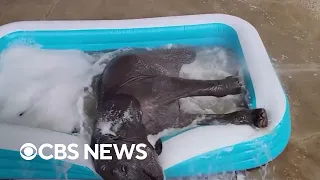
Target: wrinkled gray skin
(131, 131)
(147, 85)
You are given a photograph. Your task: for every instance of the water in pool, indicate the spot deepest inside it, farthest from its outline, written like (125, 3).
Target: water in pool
(51, 89)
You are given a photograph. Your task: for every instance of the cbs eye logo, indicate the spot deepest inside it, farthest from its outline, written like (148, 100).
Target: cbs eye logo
(28, 151)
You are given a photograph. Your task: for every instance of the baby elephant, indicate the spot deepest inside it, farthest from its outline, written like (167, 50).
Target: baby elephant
(138, 95)
(120, 122)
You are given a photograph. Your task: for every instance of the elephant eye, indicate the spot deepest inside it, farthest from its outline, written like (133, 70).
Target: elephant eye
(112, 137)
(124, 169)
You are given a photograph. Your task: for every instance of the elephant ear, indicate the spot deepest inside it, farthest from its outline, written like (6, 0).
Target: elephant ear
(152, 177)
(154, 171)
(151, 168)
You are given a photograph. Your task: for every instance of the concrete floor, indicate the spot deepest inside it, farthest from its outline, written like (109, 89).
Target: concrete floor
(289, 29)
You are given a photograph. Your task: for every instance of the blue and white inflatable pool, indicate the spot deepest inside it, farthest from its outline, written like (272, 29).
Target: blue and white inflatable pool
(179, 157)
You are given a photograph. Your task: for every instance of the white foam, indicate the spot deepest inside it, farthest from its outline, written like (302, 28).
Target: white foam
(153, 138)
(47, 86)
(108, 127)
(105, 128)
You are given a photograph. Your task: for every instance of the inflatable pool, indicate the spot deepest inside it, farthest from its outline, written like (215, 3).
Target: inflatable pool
(179, 157)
